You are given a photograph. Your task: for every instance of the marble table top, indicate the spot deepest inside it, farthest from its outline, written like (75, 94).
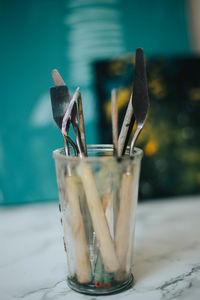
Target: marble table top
(167, 253)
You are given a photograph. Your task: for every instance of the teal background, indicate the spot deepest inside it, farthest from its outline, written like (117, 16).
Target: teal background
(37, 36)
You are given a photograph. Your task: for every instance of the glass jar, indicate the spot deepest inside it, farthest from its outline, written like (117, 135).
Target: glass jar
(98, 199)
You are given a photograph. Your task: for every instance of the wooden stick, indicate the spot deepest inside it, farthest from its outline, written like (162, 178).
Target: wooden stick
(123, 224)
(99, 222)
(81, 122)
(125, 127)
(78, 231)
(107, 203)
(114, 121)
(58, 81)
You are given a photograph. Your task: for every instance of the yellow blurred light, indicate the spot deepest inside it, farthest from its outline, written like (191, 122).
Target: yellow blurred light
(117, 67)
(157, 88)
(151, 148)
(194, 94)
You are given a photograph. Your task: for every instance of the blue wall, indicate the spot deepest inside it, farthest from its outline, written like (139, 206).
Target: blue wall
(68, 35)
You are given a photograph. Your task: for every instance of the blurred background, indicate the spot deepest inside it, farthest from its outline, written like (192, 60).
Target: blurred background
(92, 43)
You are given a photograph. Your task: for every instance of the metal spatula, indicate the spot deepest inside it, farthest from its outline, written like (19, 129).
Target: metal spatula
(60, 99)
(140, 98)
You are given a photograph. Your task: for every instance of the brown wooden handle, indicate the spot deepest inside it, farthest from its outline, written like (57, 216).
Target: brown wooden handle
(78, 231)
(100, 225)
(108, 208)
(122, 235)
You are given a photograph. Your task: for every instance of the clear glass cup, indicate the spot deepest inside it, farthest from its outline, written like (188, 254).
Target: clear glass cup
(98, 198)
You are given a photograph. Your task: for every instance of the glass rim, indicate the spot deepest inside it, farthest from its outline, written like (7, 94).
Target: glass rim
(97, 147)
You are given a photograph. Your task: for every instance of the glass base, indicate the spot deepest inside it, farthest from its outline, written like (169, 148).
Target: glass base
(97, 288)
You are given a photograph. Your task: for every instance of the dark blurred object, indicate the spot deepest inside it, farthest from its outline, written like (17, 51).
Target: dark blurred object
(171, 135)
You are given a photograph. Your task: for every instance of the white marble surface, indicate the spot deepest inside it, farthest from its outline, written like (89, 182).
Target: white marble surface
(167, 253)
